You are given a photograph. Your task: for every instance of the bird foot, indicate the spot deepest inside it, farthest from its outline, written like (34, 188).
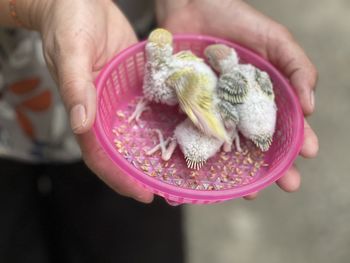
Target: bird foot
(227, 147)
(167, 146)
(233, 133)
(237, 142)
(141, 107)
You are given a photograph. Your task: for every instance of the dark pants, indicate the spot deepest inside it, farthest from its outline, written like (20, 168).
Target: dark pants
(63, 213)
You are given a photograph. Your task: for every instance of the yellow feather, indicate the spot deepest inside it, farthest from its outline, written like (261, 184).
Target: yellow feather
(197, 100)
(160, 37)
(187, 55)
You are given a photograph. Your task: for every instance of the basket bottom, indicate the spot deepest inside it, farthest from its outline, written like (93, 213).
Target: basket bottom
(223, 171)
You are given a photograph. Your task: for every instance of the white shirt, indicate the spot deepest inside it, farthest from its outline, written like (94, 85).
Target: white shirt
(33, 122)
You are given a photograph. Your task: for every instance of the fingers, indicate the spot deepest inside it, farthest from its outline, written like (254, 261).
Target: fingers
(251, 196)
(310, 145)
(289, 57)
(99, 162)
(290, 182)
(275, 42)
(73, 66)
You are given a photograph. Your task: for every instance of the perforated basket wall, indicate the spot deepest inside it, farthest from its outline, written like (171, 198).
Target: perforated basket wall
(226, 176)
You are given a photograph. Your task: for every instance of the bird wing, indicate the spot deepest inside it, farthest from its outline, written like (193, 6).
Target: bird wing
(197, 101)
(229, 111)
(233, 87)
(264, 82)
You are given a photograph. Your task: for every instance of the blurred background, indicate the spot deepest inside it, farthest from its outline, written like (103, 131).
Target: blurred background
(312, 225)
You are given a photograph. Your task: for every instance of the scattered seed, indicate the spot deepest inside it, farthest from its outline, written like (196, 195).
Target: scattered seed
(193, 174)
(165, 177)
(159, 170)
(153, 174)
(120, 114)
(145, 168)
(224, 157)
(238, 171)
(212, 175)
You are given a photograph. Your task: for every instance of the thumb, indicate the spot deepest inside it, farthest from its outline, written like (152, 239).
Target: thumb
(74, 71)
(288, 56)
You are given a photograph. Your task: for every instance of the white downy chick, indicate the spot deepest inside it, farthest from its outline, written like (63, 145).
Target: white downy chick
(182, 79)
(246, 95)
(196, 146)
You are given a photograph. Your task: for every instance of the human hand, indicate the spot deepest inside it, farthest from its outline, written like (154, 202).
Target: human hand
(239, 22)
(79, 38)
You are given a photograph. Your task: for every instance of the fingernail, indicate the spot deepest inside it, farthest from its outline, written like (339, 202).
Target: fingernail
(308, 143)
(77, 117)
(312, 99)
(143, 198)
(310, 148)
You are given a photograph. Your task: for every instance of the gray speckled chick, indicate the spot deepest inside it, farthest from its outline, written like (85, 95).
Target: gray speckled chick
(246, 95)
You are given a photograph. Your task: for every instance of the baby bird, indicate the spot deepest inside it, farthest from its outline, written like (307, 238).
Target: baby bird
(194, 144)
(246, 95)
(182, 79)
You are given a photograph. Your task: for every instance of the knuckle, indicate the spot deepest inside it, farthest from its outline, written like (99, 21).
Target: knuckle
(72, 90)
(314, 74)
(284, 32)
(280, 33)
(69, 42)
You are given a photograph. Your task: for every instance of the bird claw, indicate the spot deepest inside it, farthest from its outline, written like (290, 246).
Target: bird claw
(167, 146)
(141, 107)
(157, 147)
(137, 118)
(238, 145)
(227, 147)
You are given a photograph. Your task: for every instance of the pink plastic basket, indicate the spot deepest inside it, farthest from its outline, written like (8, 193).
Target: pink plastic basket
(224, 177)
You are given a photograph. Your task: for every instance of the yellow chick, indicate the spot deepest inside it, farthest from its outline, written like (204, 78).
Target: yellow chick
(182, 79)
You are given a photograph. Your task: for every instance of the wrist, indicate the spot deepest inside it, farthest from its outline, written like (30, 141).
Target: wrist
(29, 13)
(166, 7)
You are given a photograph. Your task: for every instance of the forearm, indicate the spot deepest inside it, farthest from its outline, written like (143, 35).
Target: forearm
(164, 7)
(198, 12)
(21, 13)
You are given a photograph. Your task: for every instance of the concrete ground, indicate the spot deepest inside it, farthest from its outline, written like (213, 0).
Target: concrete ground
(312, 225)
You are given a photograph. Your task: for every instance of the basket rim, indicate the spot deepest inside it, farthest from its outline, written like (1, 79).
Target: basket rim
(168, 190)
